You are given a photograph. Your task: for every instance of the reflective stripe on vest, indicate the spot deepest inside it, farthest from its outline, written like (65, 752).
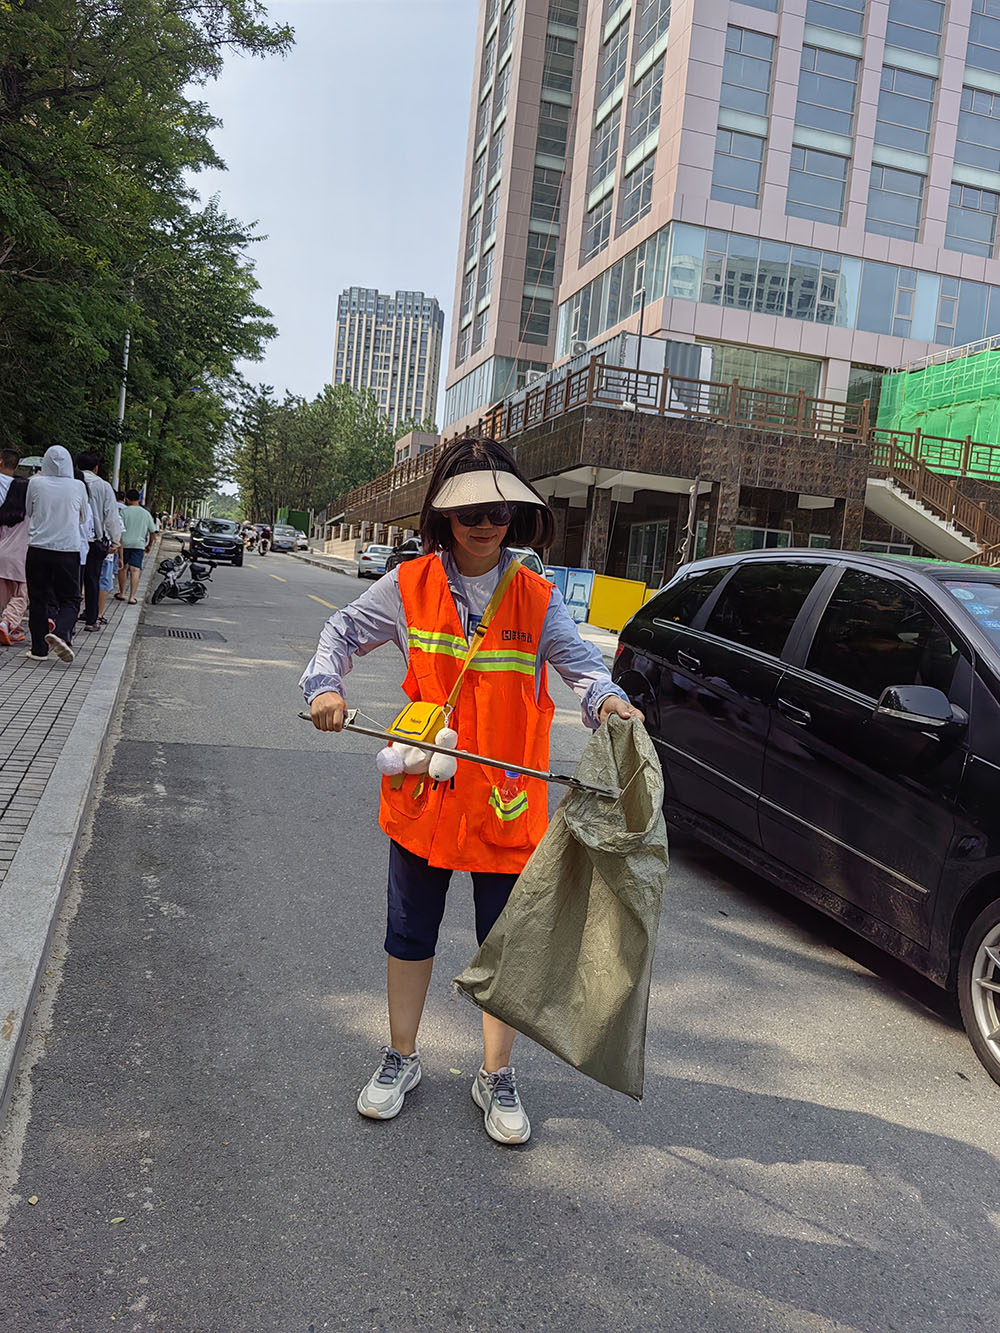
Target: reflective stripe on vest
(487, 659)
(508, 810)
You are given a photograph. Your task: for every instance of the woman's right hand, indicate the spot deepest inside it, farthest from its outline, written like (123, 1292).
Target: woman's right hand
(328, 711)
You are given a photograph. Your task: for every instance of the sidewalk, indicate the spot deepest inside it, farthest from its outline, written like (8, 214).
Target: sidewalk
(605, 639)
(54, 720)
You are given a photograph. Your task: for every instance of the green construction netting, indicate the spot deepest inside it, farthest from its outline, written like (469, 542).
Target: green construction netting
(953, 400)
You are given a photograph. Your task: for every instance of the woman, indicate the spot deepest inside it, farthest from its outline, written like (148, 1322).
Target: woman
(13, 549)
(484, 822)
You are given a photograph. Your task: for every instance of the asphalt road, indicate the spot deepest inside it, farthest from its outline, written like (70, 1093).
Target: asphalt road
(818, 1147)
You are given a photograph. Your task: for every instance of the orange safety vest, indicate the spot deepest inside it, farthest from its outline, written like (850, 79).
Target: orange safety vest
(468, 825)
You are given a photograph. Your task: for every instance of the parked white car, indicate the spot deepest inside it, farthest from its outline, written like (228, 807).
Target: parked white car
(371, 561)
(301, 541)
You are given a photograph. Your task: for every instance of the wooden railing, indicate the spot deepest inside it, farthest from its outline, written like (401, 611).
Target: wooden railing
(908, 458)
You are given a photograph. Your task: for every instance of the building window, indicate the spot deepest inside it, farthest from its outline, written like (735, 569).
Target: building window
(540, 264)
(507, 28)
(597, 228)
(770, 5)
(472, 240)
(817, 184)
(652, 22)
(501, 91)
(746, 71)
(604, 149)
(771, 278)
(979, 130)
(479, 330)
(535, 318)
(828, 85)
(777, 371)
(648, 552)
(496, 153)
(905, 110)
(972, 221)
(468, 292)
(611, 70)
(546, 194)
(490, 212)
(489, 60)
(895, 199)
(842, 15)
(485, 276)
(557, 69)
(984, 36)
(478, 176)
(553, 128)
(482, 122)
(565, 11)
(646, 98)
(738, 162)
(637, 193)
(915, 25)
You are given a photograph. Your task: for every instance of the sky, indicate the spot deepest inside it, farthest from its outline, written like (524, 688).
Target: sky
(350, 154)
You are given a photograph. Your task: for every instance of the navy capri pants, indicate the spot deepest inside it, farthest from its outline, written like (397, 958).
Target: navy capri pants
(417, 893)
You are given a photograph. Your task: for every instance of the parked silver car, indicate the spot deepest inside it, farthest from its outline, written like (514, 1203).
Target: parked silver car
(371, 561)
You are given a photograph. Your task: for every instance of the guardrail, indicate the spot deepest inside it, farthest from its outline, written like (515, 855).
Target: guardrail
(907, 457)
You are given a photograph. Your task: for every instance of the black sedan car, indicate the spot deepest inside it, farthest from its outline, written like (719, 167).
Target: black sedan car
(832, 720)
(216, 539)
(411, 549)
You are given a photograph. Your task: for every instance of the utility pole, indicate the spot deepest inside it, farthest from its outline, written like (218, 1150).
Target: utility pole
(117, 465)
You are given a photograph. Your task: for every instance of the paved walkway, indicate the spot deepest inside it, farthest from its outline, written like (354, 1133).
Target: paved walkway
(39, 703)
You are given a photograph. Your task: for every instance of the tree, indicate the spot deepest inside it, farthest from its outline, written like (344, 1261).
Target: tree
(100, 230)
(304, 454)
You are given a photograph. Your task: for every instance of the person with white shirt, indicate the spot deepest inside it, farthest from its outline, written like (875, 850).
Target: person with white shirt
(57, 509)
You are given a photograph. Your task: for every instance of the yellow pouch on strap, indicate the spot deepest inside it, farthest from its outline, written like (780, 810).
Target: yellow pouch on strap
(419, 721)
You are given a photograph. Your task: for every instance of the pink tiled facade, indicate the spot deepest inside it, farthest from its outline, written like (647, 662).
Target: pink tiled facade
(682, 184)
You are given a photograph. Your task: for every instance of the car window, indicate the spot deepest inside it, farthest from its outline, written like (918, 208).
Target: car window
(874, 633)
(760, 603)
(682, 601)
(981, 601)
(219, 525)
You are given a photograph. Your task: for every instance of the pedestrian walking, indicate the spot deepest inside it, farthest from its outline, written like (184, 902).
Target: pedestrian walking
(13, 550)
(466, 594)
(107, 535)
(57, 509)
(9, 459)
(138, 526)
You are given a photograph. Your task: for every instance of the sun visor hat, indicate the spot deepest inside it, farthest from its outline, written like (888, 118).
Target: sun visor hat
(483, 487)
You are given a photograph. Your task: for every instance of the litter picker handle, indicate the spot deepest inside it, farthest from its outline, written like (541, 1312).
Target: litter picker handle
(564, 779)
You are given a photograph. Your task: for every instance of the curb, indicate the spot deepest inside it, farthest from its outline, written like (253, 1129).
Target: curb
(325, 562)
(33, 889)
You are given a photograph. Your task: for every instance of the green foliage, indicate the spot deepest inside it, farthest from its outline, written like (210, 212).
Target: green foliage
(304, 454)
(100, 231)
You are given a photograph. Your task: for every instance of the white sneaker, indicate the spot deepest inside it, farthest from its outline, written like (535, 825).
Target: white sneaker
(503, 1115)
(382, 1096)
(60, 647)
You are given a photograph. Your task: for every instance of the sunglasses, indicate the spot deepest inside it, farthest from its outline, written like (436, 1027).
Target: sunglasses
(470, 516)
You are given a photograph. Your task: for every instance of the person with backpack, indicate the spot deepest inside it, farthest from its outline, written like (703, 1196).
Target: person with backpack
(107, 534)
(478, 631)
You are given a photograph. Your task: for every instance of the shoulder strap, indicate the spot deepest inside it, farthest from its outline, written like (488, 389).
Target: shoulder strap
(499, 593)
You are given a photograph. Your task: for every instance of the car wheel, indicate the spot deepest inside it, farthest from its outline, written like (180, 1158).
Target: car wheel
(979, 987)
(238, 561)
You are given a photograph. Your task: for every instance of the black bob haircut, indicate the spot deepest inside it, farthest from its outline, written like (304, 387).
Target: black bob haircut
(531, 525)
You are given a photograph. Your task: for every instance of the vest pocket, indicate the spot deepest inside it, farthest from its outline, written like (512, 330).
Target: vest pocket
(507, 823)
(403, 801)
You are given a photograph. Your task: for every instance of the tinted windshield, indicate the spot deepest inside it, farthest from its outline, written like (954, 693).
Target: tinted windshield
(219, 525)
(981, 601)
(281, 531)
(377, 550)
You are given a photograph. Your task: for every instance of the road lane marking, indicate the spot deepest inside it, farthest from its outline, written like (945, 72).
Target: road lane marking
(278, 577)
(320, 600)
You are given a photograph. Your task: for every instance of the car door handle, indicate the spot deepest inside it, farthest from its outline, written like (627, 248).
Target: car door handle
(687, 660)
(800, 716)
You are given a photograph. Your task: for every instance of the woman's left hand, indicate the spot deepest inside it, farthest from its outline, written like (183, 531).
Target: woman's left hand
(620, 708)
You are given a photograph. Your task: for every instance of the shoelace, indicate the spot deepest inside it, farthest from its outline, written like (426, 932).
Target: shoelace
(391, 1066)
(503, 1089)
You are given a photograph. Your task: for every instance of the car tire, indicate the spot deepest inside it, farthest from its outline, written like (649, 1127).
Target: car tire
(978, 972)
(238, 563)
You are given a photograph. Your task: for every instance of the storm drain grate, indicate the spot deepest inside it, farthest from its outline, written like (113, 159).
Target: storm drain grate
(170, 632)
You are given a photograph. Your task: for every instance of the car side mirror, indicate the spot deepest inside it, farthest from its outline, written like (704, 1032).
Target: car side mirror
(920, 706)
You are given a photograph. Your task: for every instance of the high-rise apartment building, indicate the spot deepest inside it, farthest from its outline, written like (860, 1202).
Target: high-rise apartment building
(808, 187)
(390, 345)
